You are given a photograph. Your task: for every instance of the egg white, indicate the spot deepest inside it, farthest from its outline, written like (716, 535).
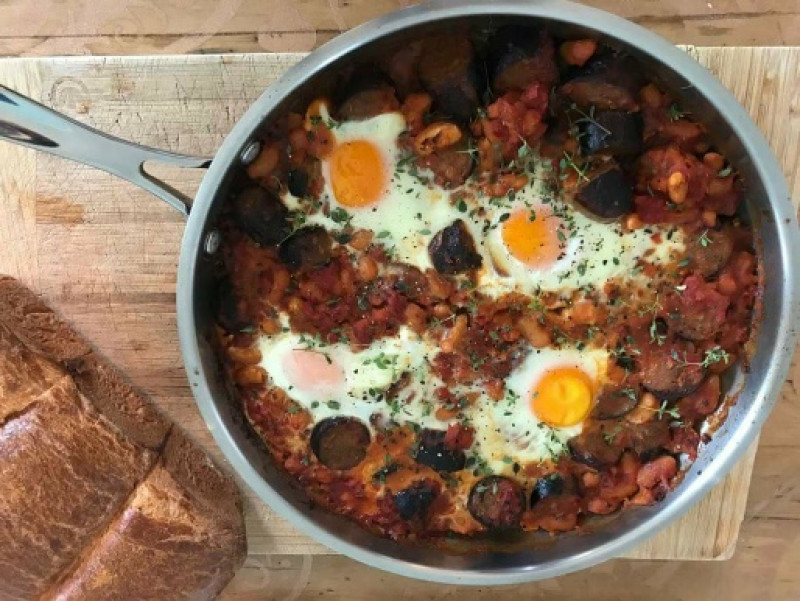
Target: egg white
(508, 431)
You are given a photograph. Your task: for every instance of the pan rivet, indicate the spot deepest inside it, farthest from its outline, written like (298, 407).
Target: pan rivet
(212, 242)
(250, 153)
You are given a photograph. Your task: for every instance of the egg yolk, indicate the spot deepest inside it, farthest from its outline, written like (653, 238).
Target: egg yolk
(314, 372)
(563, 397)
(534, 242)
(357, 173)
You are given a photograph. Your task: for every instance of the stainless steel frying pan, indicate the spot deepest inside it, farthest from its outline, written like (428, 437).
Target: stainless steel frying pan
(768, 205)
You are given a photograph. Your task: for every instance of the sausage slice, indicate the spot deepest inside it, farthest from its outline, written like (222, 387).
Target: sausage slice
(607, 195)
(519, 56)
(448, 72)
(452, 250)
(670, 373)
(340, 443)
(709, 253)
(614, 402)
(307, 248)
(609, 82)
(617, 133)
(594, 449)
(497, 502)
(552, 485)
(414, 500)
(261, 215)
(433, 452)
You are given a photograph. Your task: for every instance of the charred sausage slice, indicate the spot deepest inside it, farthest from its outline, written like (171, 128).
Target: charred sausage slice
(340, 443)
(414, 500)
(617, 133)
(614, 402)
(670, 373)
(607, 195)
(261, 215)
(594, 449)
(552, 485)
(452, 250)
(609, 82)
(709, 253)
(497, 502)
(519, 56)
(448, 72)
(307, 248)
(699, 311)
(433, 452)
(369, 102)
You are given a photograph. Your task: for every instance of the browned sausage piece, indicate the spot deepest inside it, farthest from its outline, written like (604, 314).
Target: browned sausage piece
(698, 311)
(670, 372)
(614, 402)
(340, 443)
(415, 500)
(433, 452)
(450, 166)
(497, 502)
(369, 103)
(261, 215)
(616, 133)
(307, 248)
(645, 439)
(709, 253)
(449, 74)
(595, 449)
(452, 250)
(552, 485)
(606, 83)
(608, 194)
(518, 56)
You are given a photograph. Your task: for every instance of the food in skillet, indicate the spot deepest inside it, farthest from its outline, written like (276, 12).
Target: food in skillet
(487, 285)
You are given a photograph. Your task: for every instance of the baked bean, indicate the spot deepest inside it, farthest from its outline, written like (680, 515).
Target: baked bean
(250, 375)
(435, 137)
(244, 355)
(650, 96)
(577, 52)
(584, 313)
(534, 332)
(677, 187)
(414, 109)
(367, 268)
(442, 310)
(270, 326)
(645, 411)
(633, 222)
(714, 161)
(438, 286)
(590, 479)
(415, 318)
(455, 335)
(361, 239)
(709, 218)
(726, 284)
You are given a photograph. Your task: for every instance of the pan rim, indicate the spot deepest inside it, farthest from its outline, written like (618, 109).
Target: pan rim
(556, 10)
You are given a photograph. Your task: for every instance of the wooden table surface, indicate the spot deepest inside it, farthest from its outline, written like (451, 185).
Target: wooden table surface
(764, 565)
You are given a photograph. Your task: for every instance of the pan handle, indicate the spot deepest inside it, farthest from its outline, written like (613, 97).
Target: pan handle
(26, 122)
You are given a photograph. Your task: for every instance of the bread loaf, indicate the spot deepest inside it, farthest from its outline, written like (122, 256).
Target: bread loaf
(100, 497)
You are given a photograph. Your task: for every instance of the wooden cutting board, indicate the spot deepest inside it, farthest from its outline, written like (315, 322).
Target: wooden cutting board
(105, 254)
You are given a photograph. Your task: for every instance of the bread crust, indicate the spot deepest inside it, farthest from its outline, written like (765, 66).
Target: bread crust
(100, 496)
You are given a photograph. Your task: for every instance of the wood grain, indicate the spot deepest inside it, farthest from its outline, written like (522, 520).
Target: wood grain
(77, 27)
(105, 253)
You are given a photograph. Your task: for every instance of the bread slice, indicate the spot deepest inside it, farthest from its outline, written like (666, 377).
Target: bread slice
(100, 496)
(172, 535)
